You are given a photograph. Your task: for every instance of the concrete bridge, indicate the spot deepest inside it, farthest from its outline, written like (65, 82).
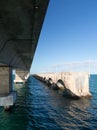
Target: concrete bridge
(75, 84)
(20, 26)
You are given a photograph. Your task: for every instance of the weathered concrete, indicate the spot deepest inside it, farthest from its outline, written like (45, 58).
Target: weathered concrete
(74, 83)
(9, 100)
(5, 80)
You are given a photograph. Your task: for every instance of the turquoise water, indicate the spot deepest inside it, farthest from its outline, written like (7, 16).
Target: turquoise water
(41, 108)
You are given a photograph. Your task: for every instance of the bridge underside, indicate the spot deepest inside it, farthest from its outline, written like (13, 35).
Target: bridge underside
(20, 25)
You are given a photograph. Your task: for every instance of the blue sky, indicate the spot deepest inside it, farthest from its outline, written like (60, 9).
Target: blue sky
(69, 34)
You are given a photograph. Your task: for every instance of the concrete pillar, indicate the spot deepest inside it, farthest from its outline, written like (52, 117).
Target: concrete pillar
(7, 95)
(21, 76)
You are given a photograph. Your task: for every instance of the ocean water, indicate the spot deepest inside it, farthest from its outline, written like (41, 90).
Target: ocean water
(40, 108)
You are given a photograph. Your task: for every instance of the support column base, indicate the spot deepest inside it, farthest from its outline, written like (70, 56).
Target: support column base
(8, 101)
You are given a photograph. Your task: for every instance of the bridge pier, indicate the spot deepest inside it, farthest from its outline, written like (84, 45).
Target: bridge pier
(7, 95)
(21, 76)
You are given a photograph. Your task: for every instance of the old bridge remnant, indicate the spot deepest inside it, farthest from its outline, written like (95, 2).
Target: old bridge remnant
(75, 84)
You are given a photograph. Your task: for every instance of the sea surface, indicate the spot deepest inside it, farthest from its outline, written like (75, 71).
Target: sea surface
(40, 108)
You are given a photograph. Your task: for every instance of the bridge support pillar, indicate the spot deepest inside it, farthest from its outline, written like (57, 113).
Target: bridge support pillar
(7, 95)
(21, 76)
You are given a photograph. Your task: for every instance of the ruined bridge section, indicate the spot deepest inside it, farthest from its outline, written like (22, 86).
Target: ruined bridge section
(74, 83)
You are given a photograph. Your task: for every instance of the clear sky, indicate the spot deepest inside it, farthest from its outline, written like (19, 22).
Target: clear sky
(69, 34)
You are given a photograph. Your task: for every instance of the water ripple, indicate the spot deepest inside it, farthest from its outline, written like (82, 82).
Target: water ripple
(41, 108)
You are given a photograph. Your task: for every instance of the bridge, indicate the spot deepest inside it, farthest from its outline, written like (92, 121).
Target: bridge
(74, 84)
(20, 26)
